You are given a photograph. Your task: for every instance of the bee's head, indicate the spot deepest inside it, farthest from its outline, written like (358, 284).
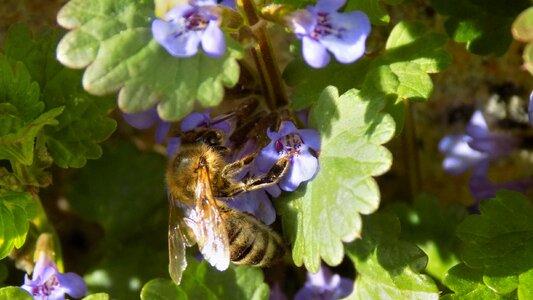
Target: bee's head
(211, 137)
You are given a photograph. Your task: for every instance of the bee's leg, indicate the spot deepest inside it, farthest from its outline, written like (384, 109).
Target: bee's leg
(232, 169)
(271, 177)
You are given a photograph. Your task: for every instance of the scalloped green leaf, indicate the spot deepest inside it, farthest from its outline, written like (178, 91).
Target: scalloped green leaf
(484, 25)
(497, 250)
(499, 239)
(467, 283)
(83, 123)
(411, 54)
(113, 39)
(318, 217)
(388, 268)
(16, 211)
(14, 292)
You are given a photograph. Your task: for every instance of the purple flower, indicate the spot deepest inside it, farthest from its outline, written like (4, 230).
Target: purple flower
(197, 119)
(476, 148)
(48, 284)
(482, 188)
(324, 285)
(297, 143)
(189, 24)
(146, 119)
(322, 28)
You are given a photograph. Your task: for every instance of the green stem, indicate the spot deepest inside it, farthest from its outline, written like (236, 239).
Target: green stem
(273, 88)
(410, 149)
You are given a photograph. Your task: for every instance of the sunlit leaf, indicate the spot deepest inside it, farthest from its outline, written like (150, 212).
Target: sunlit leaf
(113, 39)
(327, 211)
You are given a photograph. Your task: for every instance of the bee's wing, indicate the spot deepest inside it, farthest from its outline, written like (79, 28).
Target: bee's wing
(179, 236)
(210, 232)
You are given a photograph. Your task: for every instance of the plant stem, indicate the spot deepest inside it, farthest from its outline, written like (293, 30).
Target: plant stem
(264, 58)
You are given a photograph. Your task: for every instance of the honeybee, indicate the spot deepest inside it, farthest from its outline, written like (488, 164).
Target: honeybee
(198, 178)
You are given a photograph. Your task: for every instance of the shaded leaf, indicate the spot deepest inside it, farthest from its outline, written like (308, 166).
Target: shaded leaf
(83, 123)
(485, 26)
(388, 268)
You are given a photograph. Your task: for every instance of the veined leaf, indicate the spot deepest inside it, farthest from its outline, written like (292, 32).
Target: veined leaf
(497, 250)
(113, 39)
(83, 123)
(327, 211)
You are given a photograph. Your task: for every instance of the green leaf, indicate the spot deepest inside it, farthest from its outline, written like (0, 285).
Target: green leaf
(432, 227)
(485, 26)
(21, 117)
(411, 53)
(523, 31)
(14, 292)
(497, 252)
(16, 211)
(308, 83)
(202, 281)
(83, 123)
(388, 268)
(113, 39)
(18, 146)
(98, 296)
(162, 289)
(467, 283)
(498, 240)
(318, 217)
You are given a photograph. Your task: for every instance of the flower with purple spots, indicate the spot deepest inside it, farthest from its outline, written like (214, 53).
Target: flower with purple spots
(324, 285)
(323, 29)
(48, 284)
(188, 25)
(301, 145)
(476, 148)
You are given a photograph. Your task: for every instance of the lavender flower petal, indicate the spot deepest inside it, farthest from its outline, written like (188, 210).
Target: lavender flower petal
(213, 41)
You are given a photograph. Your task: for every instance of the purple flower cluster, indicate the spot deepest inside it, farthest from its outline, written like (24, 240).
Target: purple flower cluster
(475, 149)
(323, 29)
(188, 25)
(48, 284)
